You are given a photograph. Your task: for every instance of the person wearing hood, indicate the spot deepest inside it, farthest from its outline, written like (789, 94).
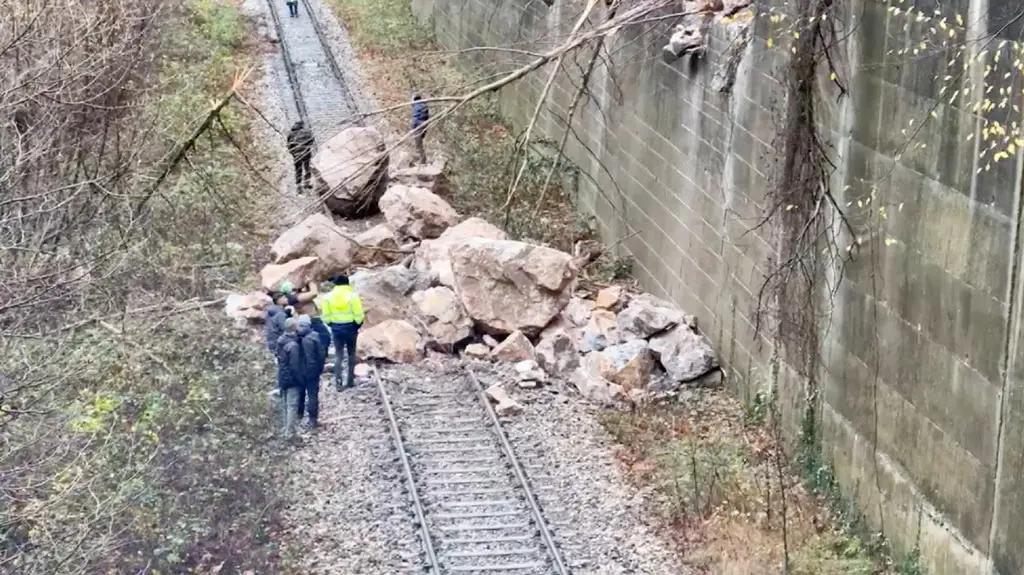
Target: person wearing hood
(273, 326)
(300, 145)
(314, 355)
(291, 375)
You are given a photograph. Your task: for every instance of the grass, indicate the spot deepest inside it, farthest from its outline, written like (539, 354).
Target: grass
(141, 444)
(400, 56)
(719, 477)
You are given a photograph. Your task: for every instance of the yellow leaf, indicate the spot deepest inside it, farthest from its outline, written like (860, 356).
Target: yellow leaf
(790, 207)
(832, 76)
(770, 43)
(890, 241)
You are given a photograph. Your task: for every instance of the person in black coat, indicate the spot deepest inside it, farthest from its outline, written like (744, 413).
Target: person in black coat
(314, 353)
(291, 375)
(300, 146)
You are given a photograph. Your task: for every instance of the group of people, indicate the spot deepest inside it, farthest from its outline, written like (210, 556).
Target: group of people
(299, 328)
(300, 141)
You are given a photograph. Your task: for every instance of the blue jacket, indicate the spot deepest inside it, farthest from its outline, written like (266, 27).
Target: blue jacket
(420, 113)
(273, 326)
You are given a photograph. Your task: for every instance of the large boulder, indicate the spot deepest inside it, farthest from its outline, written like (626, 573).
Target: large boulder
(417, 212)
(594, 387)
(578, 311)
(394, 340)
(376, 245)
(316, 236)
(447, 321)
(647, 315)
(298, 271)
(433, 256)
(353, 167)
(508, 285)
(684, 353)
(385, 292)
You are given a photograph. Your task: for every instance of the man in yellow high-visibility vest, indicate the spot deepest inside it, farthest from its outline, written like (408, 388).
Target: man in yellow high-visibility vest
(342, 311)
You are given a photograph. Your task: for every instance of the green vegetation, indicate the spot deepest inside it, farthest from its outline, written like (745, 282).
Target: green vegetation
(133, 418)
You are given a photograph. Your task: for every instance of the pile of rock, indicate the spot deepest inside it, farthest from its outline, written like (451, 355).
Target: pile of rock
(468, 289)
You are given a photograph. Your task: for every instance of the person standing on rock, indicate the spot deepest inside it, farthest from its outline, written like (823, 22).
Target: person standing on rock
(300, 146)
(342, 310)
(420, 116)
(314, 355)
(293, 8)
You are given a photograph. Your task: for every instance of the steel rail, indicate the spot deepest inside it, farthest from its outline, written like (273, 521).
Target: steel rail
(506, 445)
(333, 63)
(289, 67)
(428, 545)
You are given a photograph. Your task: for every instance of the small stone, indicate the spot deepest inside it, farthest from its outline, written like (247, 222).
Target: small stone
(601, 331)
(477, 351)
(516, 347)
(557, 353)
(490, 341)
(505, 404)
(610, 298)
(578, 311)
(647, 315)
(528, 371)
(362, 370)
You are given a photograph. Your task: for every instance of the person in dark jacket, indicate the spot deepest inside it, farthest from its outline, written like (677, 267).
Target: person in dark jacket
(291, 375)
(300, 146)
(293, 8)
(273, 327)
(420, 116)
(314, 357)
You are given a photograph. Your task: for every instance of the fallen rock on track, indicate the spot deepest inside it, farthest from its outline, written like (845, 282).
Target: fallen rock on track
(417, 212)
(477, 351)
(447, 321)
(298, 271)
(557, 353)
(507, 285)
(316, 236)
(353, 167)
(433, 255)
(385, 292)
(394, 340)
(505, 404)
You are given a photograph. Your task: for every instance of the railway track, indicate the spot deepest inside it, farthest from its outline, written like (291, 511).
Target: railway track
(321, 95)
(472, 502)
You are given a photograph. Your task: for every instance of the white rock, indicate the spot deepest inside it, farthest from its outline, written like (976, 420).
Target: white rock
(516, 347)
(490, 341)
(578, 311)
(394, 340)
(316, 236)
(417, 212)
(362, 370)
(433, 256)
(557, 353)
(528, 371)
(353, 167)
(594, 387)
(298, 271)
(248, 306)
(684, 353)
(601, 331)
(446, 320)
(477, 351)
(508, 286)
(647, 315)
(505, 404)
(386, 292)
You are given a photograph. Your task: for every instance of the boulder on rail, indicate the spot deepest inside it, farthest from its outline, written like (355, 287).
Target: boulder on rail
(316, 236)
(508, 285)
(394, 340)
(353, 167)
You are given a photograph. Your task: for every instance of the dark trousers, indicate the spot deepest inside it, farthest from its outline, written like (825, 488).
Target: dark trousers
(345, 335)
(293, 9)
(421, 154)
(309, 399)
(302, 173)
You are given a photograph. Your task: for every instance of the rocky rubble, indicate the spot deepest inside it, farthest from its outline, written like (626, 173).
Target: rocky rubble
(465, 288)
